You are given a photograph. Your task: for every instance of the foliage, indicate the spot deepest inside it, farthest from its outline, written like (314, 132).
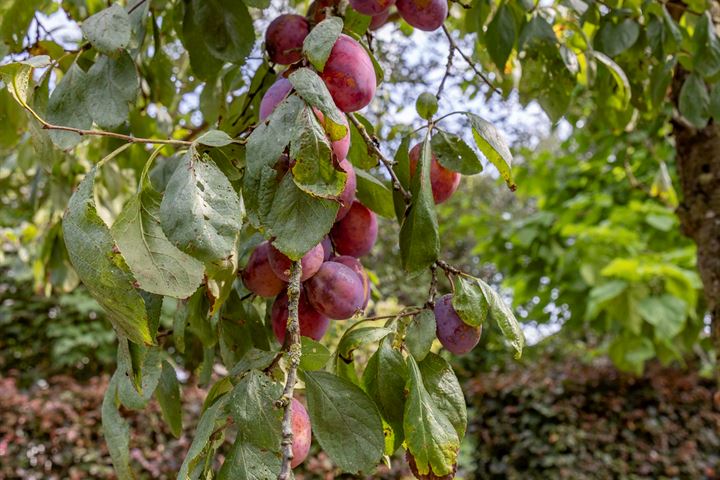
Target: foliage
(563, 418)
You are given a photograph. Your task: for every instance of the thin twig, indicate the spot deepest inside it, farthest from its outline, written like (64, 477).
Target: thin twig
(451, 54)
(295, 353)
(450, 269)
(405, 313)
(432, 291)
(372, 145)
(454, 46)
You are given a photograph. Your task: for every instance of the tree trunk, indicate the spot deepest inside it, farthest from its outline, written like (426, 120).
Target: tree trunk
(698, 164)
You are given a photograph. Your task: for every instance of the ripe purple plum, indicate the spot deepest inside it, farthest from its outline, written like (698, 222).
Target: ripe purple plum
(379, 20)
(312, 323)
(327, 248)
(349, 75)
(347, 197)
(355, 234)
(371, 7)
(336, 291)
(310, 262)
(339, 147)
(258, 276)
(427, 15)
(454, 334)
(317, 9)
(357, 267)
(302, 433)
(443, 182)
(284, 38)
(273, 96)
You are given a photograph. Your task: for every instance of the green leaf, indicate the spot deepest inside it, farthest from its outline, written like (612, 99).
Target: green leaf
(500, 36)
(168, 396)
(345, 422)
(112, 85)
(505, 318)
(253, 359)
(141, 367)
(261, 4)
(200, 212)
(374, 194)
(360, 336)
(454, 154)
(313, 90)
(714, 108)
(707, 47)
(291, 213)
(629, 353)
(359, 154)
(314, 171)
(315, 355)
(321, 40)
(116, 432)
(16, 76)
(157, 265)
(419, 237)
(674, 40)
(205, 428)
(616, 38)
(665, 312)
(108, 30)
(384, 380)
(204, 64)
(214, 138)
(536, 32)
(227, 29)
(470, 303)
(694, 101)
(420, 334)
(68, 106)
(356, 22)
(493, 145)
(249, 462)
(103, 270)
(444, 388)
(623, 84)
(430, 436)
(252, 407)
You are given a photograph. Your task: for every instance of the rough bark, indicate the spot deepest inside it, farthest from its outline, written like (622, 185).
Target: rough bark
(698, 165)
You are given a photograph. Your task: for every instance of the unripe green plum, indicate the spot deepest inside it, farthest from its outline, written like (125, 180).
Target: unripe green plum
(427, 15)
(312, 324)
(310, 262)
(455, 335)
(284, 38)
(349, 75)
(443, 182)
(302, 433)
(336, 291)
(356, 233)
(258, 275)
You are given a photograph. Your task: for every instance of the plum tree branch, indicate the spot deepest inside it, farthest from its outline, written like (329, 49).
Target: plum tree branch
(451, 54)
(294, 350)
(373, 145)
(454, 46)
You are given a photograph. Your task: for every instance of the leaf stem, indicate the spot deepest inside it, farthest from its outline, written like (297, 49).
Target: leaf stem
(372, 145)
(295, 353)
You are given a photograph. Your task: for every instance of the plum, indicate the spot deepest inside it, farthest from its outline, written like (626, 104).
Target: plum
(284, 38)
(443, 182)
(379, 20)
(258, 276)
(336, 291)
(357, 267)
(349, 75)
(311, 261)
(312, 323)
(347, 197)
(454, 334)
(273, 96)
(302, 433)
(327, 248)
(371, 7)
(425, 15)
(339, 147)
(355, 234)
(317, 9)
